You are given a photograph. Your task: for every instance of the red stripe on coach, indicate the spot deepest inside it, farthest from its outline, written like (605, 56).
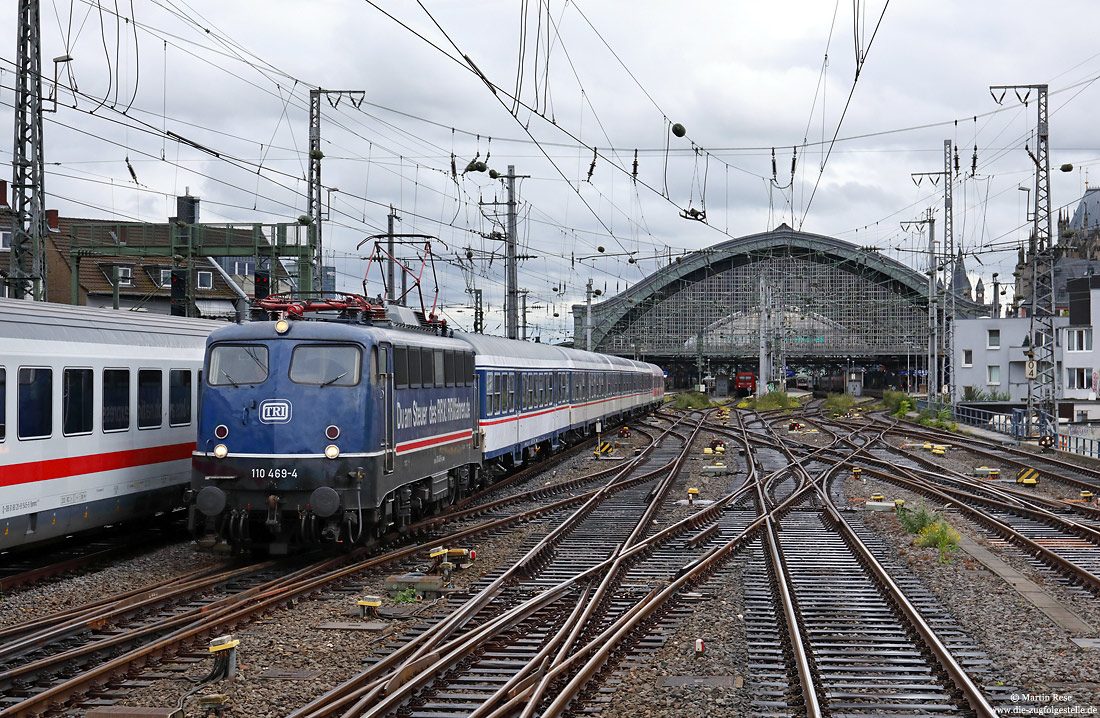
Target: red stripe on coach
(92, 463)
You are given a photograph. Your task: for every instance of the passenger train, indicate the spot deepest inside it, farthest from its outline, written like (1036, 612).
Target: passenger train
(355, 423)
(102, 407)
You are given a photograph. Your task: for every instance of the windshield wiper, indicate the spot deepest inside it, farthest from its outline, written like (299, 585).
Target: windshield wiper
(335, 378)
(226, 375)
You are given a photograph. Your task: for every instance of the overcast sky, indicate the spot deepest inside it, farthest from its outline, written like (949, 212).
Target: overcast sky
(234, 77)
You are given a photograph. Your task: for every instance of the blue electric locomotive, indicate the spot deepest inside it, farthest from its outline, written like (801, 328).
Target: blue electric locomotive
(344, 429)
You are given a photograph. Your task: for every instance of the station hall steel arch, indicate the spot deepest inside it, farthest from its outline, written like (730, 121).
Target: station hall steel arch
(823, 298)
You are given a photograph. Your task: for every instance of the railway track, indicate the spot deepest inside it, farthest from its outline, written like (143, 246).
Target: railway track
(91, 550)
(59, 659)
(834, 626)
(450, 668)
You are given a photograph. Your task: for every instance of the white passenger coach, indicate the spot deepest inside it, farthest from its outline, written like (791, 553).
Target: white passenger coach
(97, 416)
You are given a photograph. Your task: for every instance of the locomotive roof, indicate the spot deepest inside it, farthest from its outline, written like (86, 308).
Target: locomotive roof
(62, 322)
(333, 330)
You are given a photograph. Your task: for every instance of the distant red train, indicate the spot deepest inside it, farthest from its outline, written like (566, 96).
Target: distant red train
(744, 383)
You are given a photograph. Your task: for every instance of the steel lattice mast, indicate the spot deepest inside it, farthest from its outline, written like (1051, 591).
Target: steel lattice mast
(313, 195)
(27, 273)
(949, 273)
(1042, 395)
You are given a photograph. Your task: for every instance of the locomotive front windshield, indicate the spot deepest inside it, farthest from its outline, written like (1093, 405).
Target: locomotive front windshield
(326, 364)
(236, 364)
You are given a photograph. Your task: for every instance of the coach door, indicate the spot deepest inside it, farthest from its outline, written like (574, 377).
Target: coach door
(385, 381)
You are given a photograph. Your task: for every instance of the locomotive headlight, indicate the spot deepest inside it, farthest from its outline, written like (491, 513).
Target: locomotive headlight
(332, 451)
(282, 326)
(221, 431)
(332, 433)
(221, 451)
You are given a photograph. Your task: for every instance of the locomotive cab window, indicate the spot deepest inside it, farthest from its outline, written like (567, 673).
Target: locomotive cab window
(35, 403)
(383, 360)
(326, 364)
(76, 401)
(237, 364)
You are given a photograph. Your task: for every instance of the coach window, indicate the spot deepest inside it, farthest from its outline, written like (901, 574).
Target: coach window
(414, 367)
(116, 399)
(76, 401)
(179, 397)
(150, 399)
(35, 403)
(3, 402)
(326, 364)
(237, 364)
(400, 367)
(498, 395)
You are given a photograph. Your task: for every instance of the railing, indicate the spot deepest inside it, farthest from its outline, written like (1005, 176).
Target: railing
(1081, 445)
(1003, 424)
(980, 418)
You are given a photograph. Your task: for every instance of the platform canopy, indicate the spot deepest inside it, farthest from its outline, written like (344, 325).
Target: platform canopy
(812, 295)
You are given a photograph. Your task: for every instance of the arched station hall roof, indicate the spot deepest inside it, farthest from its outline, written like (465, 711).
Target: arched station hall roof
(828, 298)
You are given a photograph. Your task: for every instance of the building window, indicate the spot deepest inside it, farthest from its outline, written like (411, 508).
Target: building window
(968, 357)
(994, 339)
(993, 375)
(166, 277)
(1078, 378)
(125, 276)
(5, 239)
(206, 280)
(1079, 340)
(243, 268)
